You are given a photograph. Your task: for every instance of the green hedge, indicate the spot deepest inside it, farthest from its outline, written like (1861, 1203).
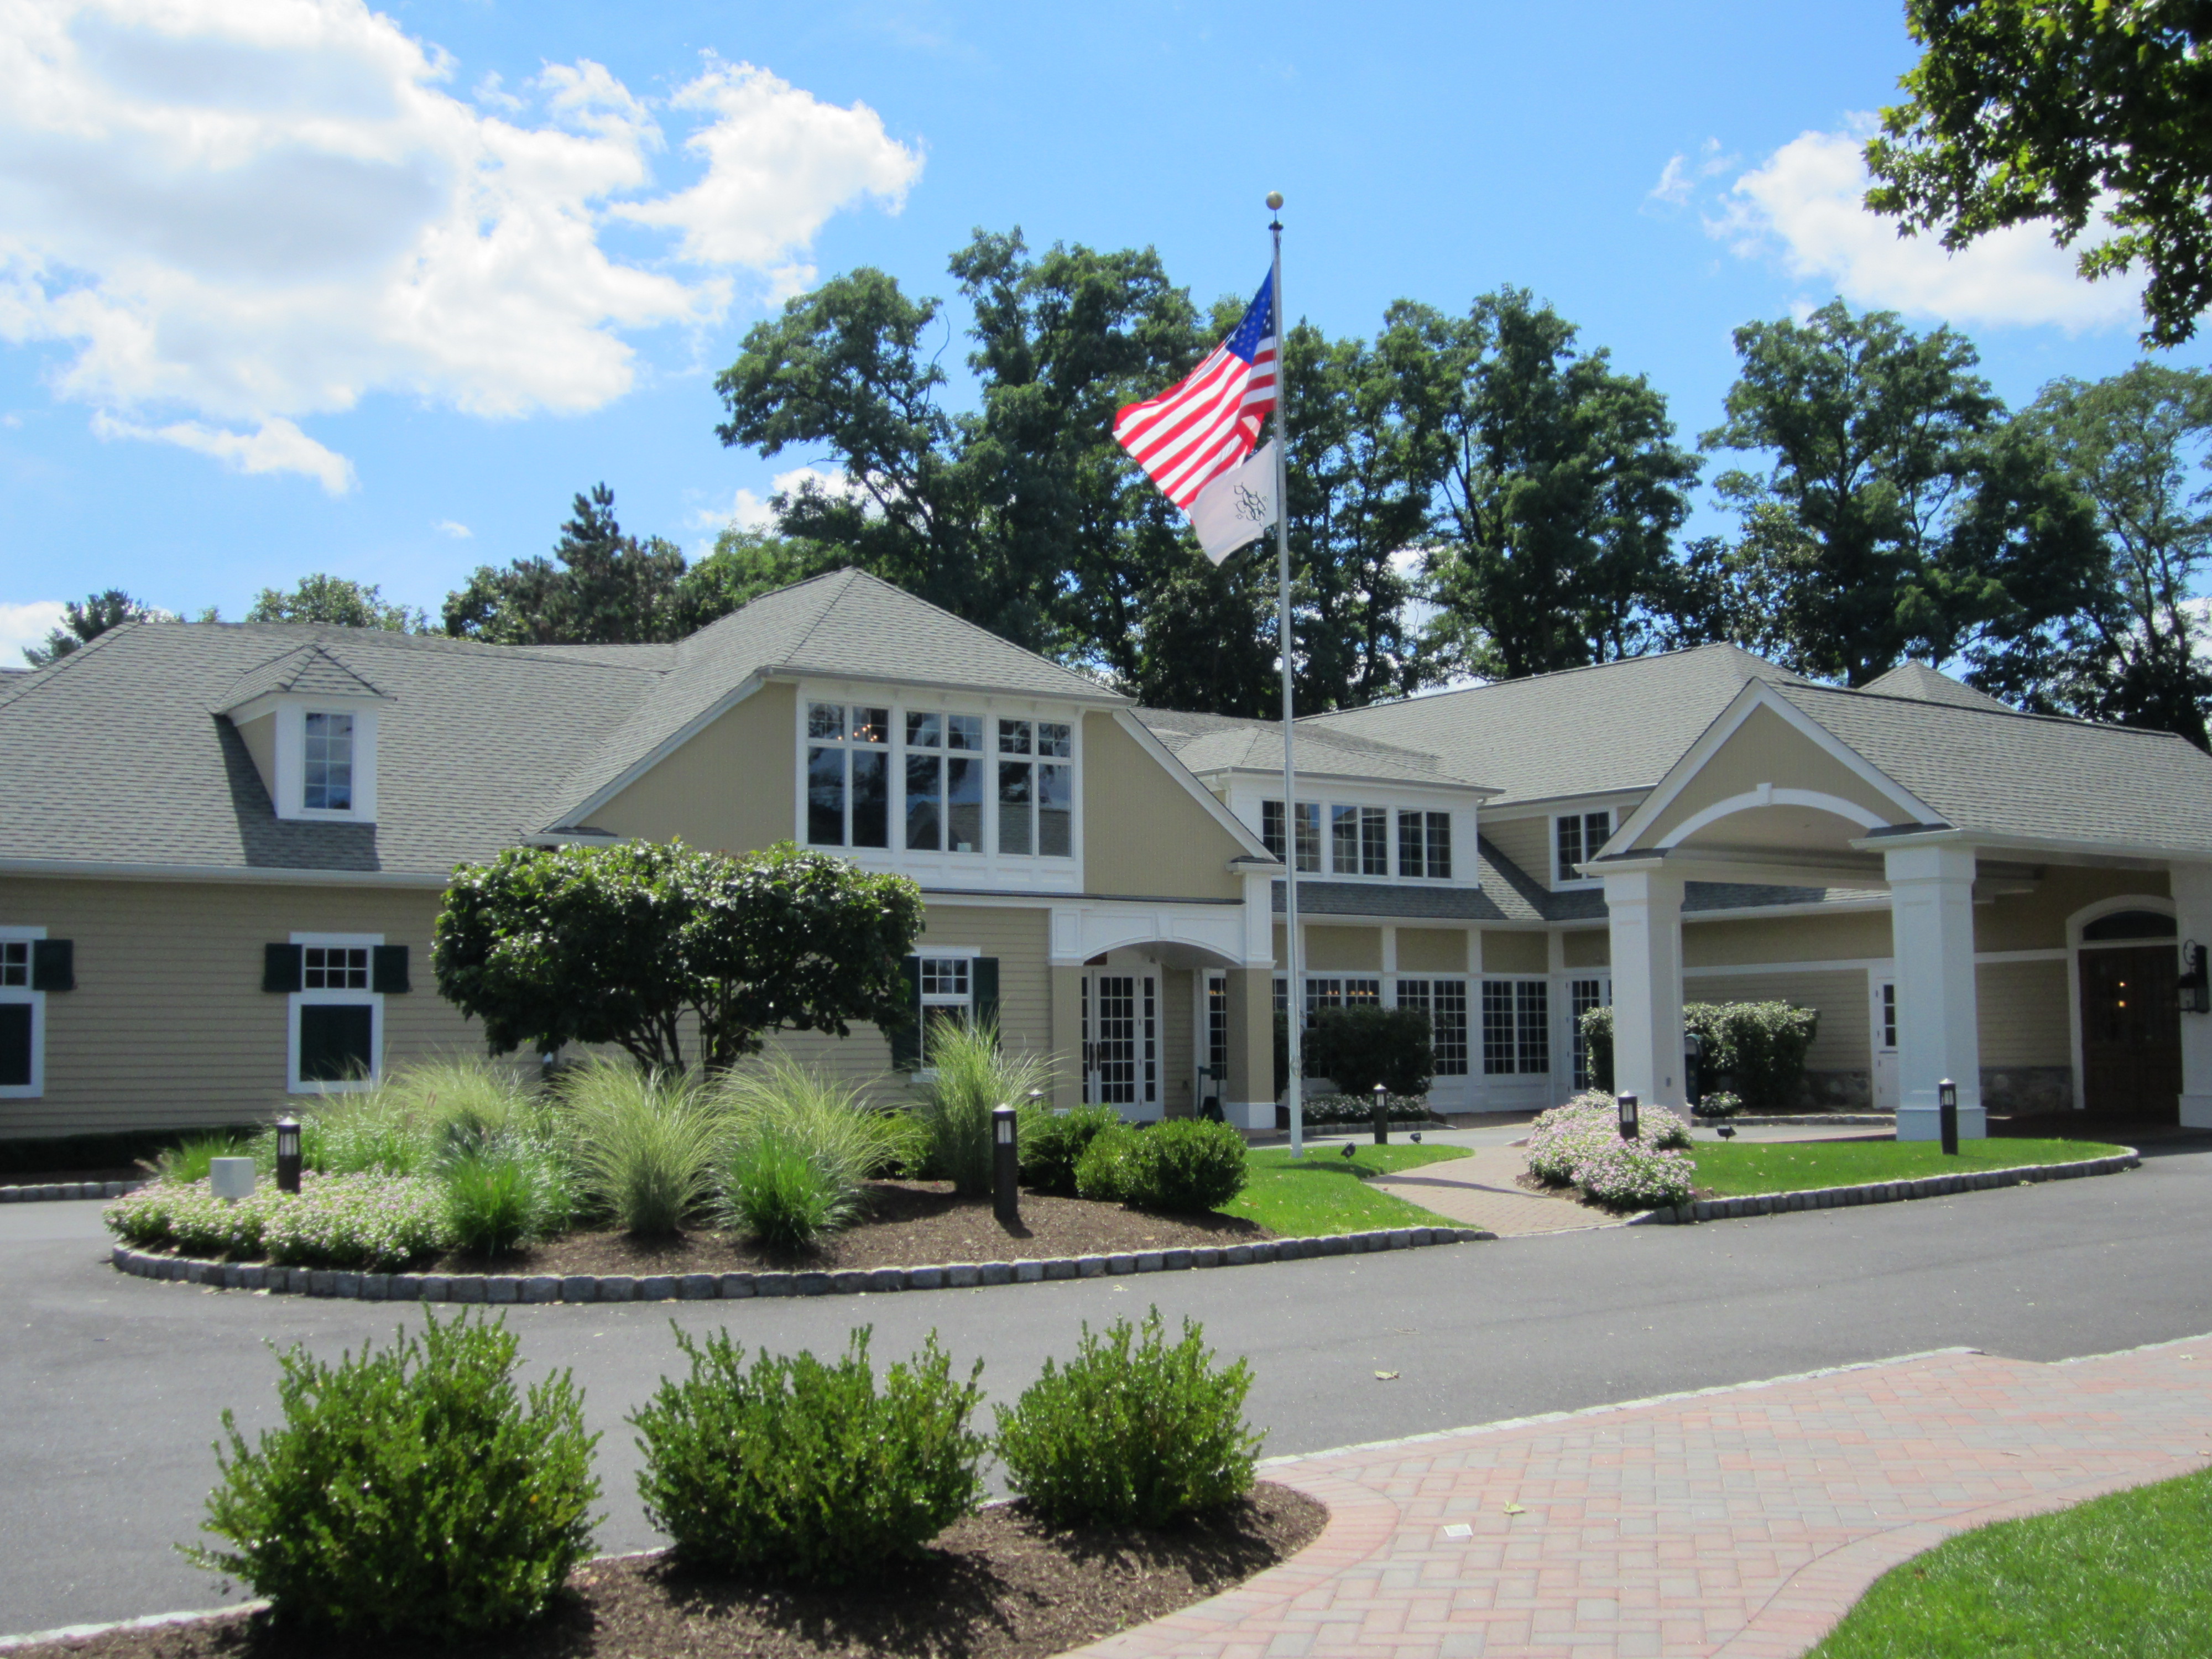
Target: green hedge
(1755, 1049)
(1357, 1048)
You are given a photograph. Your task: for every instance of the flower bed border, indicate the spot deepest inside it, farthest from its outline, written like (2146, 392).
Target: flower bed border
(48, 1191)
(1884, 1192)
(517, 1288)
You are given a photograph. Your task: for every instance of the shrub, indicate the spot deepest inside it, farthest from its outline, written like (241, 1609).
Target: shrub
(501, 1197)
(191, 1218)
(1579, 1143)
(1130, 1430)
(1758, 1047)
(1357, 1048)
(1184, 1167)
(794, 1467)
(377, 1223)
(975, 1075)
(1053, 1144)
(1332, 1109)
(409, 1491)
(1098, 1172)
(1635, 1175)
(774, 1193)
(643, 1143)
(1720, 1104)
(193, 1159)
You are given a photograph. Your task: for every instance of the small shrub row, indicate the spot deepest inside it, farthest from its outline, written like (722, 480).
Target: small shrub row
(1185, 1166)
(415, 1491)
(1335, 1109)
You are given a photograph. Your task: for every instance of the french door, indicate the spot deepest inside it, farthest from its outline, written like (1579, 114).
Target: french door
(1121, 1039)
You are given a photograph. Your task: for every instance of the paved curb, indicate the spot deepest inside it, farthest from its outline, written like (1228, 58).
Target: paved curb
(1880, 1192)
(1800, 1121)
(505, 1288)
(58, 1189)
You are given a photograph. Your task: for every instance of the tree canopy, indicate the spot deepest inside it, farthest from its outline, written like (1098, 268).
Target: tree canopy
(2060, 111)
(85, 621)
(338, 600)
(600, 588)
(631, 945)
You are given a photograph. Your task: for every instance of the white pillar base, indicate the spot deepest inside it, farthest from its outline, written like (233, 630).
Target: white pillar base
(1248, 1114)
(1926, 1123)
(2197, 1109)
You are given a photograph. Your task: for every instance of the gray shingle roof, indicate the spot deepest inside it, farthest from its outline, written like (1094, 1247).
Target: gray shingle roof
(1584, 732)
(2032, 777)
(1216, 743)
(1918, 681)
(309, 669)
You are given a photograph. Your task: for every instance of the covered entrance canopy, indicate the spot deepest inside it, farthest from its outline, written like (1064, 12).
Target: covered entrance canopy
(1948, 807)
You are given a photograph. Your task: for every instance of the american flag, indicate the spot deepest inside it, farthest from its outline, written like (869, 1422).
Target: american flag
(1202, 427)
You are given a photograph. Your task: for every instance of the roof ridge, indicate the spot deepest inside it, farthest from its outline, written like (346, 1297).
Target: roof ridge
(2003, 711)
(45, 673)
(829, 603)
(1000, 640)
(1790, 674)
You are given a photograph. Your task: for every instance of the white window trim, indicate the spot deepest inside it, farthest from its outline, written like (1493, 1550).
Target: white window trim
(299, 999)
(1462, 822)
(37, 999)
(944, 953)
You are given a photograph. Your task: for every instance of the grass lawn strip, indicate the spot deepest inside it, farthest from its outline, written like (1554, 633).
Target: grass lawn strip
(1326, 1192)
(998, 1585)
(1737, 1170)
(2128, 1576)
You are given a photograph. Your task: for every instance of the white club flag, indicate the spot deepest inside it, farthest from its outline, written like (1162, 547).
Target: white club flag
(1238, 506)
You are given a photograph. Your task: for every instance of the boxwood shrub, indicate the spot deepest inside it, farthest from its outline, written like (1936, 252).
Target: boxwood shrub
(791, 1468)
(410, 1491)
(1053, 1145)
(1186, 1166)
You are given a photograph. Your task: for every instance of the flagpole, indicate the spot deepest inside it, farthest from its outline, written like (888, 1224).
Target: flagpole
(1293, 1019)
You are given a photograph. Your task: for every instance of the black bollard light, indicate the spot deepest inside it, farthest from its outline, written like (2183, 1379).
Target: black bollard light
(1382, 1115)
(1627, 1103)
(1946, 1114)
(1694, 1080)
(1006, 1166)
(288, 1155)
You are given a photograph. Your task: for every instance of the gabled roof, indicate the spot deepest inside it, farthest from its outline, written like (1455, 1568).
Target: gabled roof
(1582, 731)
(308, 671)
(1210, 743)
(1917, 681)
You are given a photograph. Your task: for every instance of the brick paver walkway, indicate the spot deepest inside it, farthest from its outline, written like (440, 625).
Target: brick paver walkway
(1739, 1521)
(1478, 1191)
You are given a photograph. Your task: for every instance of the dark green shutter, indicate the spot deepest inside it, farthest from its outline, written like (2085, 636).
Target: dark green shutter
(53, 965)
(283, 967)
(983, 987)
(905, 1040)
(388, 970)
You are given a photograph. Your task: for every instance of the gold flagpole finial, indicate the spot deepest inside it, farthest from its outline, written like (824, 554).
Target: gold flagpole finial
(1274, 201)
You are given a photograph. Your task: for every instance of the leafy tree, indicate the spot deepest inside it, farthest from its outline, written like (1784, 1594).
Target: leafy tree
(2051, 110)
(1559, 488)
(2139, 446)
(745, 564)
(631, 944)
(338, 599)
(83, 624)
(1902, 515)
(606, 588)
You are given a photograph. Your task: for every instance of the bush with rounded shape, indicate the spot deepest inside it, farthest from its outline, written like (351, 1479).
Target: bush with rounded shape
(1131, 1429)
(1635, 1175)
(791, 1468)
(1357, 1048)
(1053, 1144)
(1098, 1172)
(409, 1491)
(1720, 1104)
(1186, 1166)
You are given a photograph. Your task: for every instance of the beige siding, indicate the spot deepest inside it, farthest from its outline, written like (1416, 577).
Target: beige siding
(2025, 1019)
(729, 788)
(1342, 949)
(169, 1024)
(1431, 951)
(1590, 947)
(1143, 832)
(2036, 920)
(1766, 749)
(1526, 841)
(1178, 1030)
(1841, 997)
(1516, 953)
(1850, 935)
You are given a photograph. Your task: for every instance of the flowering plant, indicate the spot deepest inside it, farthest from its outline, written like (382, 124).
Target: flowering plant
(1579, 1145)
(372, 1221)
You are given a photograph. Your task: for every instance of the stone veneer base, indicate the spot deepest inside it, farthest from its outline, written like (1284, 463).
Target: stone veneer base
(1884, 1192)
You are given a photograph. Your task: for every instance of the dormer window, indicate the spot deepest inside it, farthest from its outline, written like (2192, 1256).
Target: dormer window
(308, 723)
(327, 784)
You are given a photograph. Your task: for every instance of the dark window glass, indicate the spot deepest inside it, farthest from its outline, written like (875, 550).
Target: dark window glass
(1498, 1027)
(16, 961)
(1363, 994)
(14, 1045)
(826, 797)
(1532, 1002)
(1055, 739)
(872, 798)
(1344, 840)
(1412, 856)
(964, 732)
(334, 1041)
(1308, 833)
(1570, 845)
(1439, 839)
(871, 725)
(964, 788)
(1270, 828)
(1374, 841)
(1056, 812)
(2129, 924)
(1013, 795)
(1447, 1027)
(825, 720)
(925, 801)
(1014, 737)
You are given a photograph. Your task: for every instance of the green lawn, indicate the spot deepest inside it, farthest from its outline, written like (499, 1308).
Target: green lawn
(1327, 1192)
(2127, 1577)
(1733, 1169)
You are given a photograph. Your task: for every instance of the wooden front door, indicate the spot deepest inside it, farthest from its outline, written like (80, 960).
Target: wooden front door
(2131, 1034)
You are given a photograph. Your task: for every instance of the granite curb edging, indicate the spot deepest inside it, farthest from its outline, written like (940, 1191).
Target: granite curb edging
(48, 1191)
(516, 1288)
(1882, 1192)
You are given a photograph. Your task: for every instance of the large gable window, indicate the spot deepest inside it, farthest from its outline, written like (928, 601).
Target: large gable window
(1308, 833)
(944, 782)
(847, 776)
(1577, 836)
(1036, 796)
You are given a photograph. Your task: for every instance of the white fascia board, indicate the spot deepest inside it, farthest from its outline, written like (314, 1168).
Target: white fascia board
(661, 752)
(94, 870)
(337, 702)
(1246, 838)
(1365, 779)
(1541, 806)
(1755, 694)
(1097, 697)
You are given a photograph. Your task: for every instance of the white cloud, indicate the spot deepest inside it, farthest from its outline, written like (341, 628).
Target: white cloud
(277, 446)
(25, 624)
(748, 511)
(459, 532)
(1806, 206)
(249, 211)
(1680, 178)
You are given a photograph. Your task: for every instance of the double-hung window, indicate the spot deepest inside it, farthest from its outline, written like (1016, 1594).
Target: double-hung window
(1516, 1034)
(1359, 841)
(1308, 833)
(847, 776)
(944, 782)
(1425, 844)
(326, 778)
(337, 982)
(22, 1015)
(1583, 995)
(1579, 835)
(1037, 789)
(1444, 1001)
(948, 993)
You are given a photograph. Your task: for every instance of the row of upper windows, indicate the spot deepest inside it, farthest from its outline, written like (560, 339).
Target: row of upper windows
(1360, 843)
(931, 775)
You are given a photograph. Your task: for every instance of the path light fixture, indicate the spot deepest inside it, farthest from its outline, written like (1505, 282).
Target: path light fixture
(1693, 1071)
(1006, 1166)
(288, 1155)
(1382, 1115)
(1946, 1114)
(1628, 1105)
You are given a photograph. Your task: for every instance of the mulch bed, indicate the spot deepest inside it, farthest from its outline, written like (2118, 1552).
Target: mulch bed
(1000, 1585)
(911, 1224)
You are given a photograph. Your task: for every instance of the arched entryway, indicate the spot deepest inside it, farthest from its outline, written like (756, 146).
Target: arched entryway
(2128, 1016)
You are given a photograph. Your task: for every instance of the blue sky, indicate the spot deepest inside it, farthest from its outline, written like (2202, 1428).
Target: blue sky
(291, 285)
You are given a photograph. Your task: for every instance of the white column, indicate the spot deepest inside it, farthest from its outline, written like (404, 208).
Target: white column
(1931, 919)
(1644, 910)
(2192, 921)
